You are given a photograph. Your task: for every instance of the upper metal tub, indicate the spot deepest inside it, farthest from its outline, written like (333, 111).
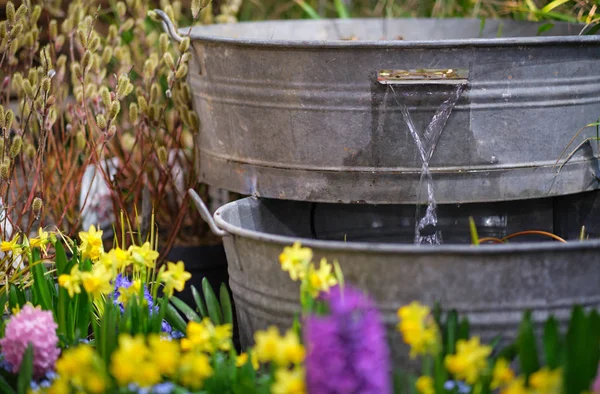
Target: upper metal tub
(318, 110)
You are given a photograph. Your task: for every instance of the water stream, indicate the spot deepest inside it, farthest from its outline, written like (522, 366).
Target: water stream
(426, 142)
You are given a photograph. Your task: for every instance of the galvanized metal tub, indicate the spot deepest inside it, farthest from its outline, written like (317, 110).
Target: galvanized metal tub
(294, 110)
(491, 284)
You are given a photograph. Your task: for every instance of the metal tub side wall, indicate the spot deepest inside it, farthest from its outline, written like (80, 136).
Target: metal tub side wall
(492, 285)
(309, 121)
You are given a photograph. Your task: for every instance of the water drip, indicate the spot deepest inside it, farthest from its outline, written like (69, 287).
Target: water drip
(425, 227)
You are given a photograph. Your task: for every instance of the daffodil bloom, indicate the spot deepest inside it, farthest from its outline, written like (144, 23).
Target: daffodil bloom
(242, 359)
(546, 381)
(295, 259)
(165, 353)
(267, 344)
(174, 277)
(81, 367)
(11, 246)
(289, 381)
(126, 360)
(502, 374)
(116, 259)
(469, 361)
(194, 369)
(126, 293)
(517, 386)
(91, 243)
(419, 329)
(143, 256)
(290, 350)
(41, 241)
(424, 385)
(72, 281)
(98, 281)
(321, 280)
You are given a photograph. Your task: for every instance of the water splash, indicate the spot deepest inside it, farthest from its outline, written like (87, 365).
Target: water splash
(425, 227)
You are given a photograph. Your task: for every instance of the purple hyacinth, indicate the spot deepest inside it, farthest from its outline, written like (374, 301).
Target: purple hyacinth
(347, 350)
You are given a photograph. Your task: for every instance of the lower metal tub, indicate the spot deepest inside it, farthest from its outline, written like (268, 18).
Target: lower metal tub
(491, 284)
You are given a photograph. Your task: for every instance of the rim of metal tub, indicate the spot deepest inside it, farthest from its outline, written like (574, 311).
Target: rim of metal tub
(525, 247)
(202, 33)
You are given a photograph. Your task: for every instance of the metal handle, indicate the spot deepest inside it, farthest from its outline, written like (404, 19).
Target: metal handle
(425, 76)
(168, 26)
(205, 214)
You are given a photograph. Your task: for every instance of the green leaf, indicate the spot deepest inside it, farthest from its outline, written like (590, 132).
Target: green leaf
(175, 319)
(451, 331)
(553, 4)
(185, 309)
(551, 343)
(464, 329)
(226, 304)
(473, 230)
(40, 285)
(25, 371)
(576, 353)
(308, 9)
(60, 258)
(544, 28)
(13, 299)
(212, 304)
(341, 9)
(528, 356)
(199, 302)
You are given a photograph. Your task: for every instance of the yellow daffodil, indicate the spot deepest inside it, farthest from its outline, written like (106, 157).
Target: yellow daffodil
(165, 354)
(290, 350)
(91, 243)
(194, 369)
(295, 259)
(72, 281)
(424, 385)
(98, 281)
(469, 361)
(546, 381)
(143, 256)
(80, 367)
(126, 293)
(174, 277)
(41, 241)
(321, 280)
(517, 386)
(419, 329)
(222, 337)
(242, 360)
(198, 336)
(289, 381)
(12, 246)
(116, 259)
(502, 374)
(126, 361)
(267, 344)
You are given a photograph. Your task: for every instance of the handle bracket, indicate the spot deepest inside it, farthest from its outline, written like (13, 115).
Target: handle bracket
(168, 26)
(205, 214)
(424, 76)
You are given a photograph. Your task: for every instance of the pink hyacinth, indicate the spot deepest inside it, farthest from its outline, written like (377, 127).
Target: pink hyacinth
(35, 326)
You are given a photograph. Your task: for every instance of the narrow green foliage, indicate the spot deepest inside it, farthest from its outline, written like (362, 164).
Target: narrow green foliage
(464, 329)
(528, 356)
(577, 348)
(185, 309)
(212, 304)
(226, 304)
(201, 307)
(175, 319)
(25, 371)
(552, 343)
(40, 289)
(473, 230)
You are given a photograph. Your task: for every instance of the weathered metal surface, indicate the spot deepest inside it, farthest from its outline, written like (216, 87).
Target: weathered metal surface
(492, 284)
(292, 110)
